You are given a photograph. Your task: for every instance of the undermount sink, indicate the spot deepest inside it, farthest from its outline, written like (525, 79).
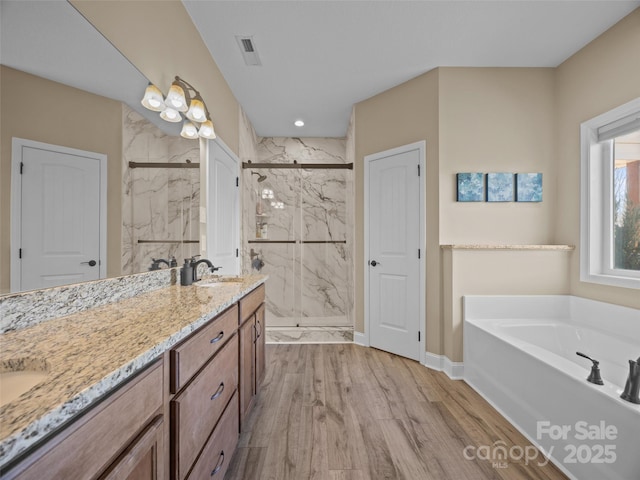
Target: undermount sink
(18, 376)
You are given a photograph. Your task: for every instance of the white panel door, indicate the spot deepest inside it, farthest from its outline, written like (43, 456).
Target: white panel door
(223, 236)
(393, 265)
(60, 218)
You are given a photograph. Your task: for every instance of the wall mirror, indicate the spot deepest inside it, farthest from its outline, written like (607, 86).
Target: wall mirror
(64, 84)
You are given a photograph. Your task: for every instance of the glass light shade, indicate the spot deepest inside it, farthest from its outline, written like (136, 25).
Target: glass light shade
(196, 110)
(176, 99)
(207, 131)
(153, 99)
(189, 130)
(171, 115)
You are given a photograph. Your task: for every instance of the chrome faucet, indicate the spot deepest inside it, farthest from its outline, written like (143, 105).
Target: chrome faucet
(631, 391)
(194, 266)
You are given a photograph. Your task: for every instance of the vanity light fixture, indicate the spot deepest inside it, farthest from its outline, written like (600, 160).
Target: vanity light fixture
(181, 99)
(153, 99)
(170, 115)
(189, 130)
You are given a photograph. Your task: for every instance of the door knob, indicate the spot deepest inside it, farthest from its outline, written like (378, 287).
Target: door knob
(373, 263)
(91, 263)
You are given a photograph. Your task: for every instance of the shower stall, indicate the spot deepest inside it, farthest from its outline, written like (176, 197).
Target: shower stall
(297, 221)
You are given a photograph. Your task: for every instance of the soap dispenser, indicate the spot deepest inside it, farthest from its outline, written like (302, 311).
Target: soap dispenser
(186, 273)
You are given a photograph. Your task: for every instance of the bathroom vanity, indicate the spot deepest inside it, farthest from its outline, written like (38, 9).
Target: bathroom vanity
(151, 387)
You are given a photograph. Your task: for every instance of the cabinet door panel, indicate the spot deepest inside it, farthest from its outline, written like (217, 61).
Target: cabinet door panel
(260, 347)
(247, 367)
(142, 460)
(197, 409)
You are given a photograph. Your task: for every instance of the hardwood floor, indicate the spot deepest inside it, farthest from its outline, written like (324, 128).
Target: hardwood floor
(344, 412)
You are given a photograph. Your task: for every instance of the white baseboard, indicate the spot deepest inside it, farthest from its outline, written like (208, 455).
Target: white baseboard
(441, 363)
(360, 339)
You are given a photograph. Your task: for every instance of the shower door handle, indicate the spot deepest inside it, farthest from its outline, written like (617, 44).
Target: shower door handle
(373, 263)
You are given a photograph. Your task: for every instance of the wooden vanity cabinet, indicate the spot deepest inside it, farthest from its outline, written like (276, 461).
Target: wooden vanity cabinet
(205, 402)
(178, 419)
(121, 437)
(252, 348)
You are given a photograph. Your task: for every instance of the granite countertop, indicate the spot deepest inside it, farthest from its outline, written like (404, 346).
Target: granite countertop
(507, 247)
(88, 354)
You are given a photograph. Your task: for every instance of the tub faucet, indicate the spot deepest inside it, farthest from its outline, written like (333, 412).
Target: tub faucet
(631, 391)
(194, 266)
(594, 376)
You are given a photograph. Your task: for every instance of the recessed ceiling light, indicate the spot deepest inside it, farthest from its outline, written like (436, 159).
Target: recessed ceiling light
(299, 123)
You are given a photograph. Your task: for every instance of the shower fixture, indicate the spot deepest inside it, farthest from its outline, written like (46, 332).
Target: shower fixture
(261, 178)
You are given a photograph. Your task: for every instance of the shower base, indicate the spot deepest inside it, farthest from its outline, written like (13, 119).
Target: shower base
(293, 322)
(309, 334)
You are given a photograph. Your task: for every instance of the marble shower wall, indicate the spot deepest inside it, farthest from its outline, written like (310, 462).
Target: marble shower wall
(158, 204)
(309, 283)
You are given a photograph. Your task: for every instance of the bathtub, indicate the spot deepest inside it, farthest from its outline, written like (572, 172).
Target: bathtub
(520, 355)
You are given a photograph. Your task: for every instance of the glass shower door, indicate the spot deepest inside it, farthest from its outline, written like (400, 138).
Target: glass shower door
(323, 254)
(296, 231)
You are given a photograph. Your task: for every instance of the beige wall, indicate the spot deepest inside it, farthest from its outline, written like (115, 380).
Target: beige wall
(404, 114)
(600, 77)
(160, 39)
(496, 120)
(493, 120)
(44, 111)
(496, 272)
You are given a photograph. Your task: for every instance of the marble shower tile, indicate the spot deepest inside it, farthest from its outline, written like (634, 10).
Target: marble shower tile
(308, 282)
(158, 204)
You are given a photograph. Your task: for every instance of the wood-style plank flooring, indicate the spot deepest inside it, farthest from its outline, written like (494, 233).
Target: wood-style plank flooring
(345, 412)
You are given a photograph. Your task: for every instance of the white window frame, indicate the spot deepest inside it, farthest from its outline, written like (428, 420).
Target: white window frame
(596, 202)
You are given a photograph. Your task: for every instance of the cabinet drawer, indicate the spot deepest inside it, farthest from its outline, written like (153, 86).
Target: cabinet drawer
(196, 410)
(216, 455)
(192, 354)
(86, 446)
(250, 302)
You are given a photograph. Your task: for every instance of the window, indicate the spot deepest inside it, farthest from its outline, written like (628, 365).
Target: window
(610, 198)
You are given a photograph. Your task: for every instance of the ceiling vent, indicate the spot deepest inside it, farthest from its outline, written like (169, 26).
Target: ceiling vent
(248, 49)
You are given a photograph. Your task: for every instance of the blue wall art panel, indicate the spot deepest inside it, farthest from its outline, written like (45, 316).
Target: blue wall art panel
(500, 187)
(470, 187)
(529, 187)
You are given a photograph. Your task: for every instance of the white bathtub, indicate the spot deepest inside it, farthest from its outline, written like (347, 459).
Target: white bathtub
(519, 354)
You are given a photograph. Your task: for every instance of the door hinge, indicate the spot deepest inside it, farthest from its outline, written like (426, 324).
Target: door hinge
(21, 167)
(418, 335)
(237, 181)
(418, 253)
(418, 170)
(19, 253)
(237, 253)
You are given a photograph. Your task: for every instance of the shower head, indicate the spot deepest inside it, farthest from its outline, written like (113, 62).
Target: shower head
(261, 178)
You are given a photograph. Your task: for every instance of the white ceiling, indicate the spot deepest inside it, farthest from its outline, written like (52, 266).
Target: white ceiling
(50, 39)
(318, 57)
(321, 57)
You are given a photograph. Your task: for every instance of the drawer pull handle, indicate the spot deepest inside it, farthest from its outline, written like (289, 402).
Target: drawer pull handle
(219, 465)
(218, 338)
(218, 392)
